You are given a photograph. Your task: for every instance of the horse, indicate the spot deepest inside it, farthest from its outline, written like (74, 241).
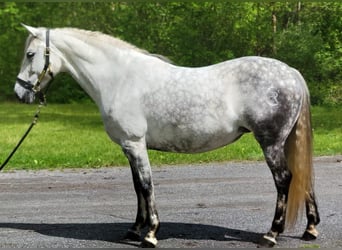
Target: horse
(147, 102)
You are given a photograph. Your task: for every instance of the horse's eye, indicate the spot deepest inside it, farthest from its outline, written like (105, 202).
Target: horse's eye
(30, 55)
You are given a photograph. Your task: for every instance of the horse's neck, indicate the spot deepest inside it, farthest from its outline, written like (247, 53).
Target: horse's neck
(94, 67)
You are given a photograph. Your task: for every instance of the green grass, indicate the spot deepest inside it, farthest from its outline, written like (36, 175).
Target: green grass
(310, 246)
(72, 135)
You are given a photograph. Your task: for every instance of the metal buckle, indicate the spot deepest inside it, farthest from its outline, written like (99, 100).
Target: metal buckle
(47, 51)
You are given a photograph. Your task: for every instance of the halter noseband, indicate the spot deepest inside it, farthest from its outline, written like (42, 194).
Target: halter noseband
(36, 86)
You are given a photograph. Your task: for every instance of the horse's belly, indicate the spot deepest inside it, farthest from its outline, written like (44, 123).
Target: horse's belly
(180, 139)
(197, 114)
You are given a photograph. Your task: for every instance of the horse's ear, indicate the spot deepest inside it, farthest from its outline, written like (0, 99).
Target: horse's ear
(34, 31)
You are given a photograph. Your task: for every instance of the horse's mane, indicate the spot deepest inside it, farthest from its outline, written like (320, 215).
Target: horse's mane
(95, 36)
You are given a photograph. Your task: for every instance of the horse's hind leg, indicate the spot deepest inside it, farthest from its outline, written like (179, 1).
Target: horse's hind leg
(142, 177)
(275, 158)
(313, 218)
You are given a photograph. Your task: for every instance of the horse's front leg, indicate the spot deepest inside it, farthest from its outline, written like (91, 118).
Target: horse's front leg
(147, 215)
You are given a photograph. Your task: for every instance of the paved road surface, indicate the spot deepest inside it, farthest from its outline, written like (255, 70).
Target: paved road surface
(214, 205)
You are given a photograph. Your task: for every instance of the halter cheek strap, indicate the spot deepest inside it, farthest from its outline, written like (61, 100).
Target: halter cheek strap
(36, 86)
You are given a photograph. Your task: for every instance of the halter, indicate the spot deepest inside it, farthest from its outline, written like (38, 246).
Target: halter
(36, 86)
(37, 90)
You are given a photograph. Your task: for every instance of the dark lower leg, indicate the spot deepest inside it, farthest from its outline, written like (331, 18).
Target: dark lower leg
(140, 221)
(147, 215)
(143, 185)
(278, 224)
(282, 177)
(152, 220)
(313, 218)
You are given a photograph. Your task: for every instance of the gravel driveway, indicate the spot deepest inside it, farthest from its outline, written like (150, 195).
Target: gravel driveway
(214, 205)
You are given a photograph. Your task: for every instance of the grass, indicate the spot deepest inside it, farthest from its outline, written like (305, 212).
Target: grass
(72, 135)
(310, 246)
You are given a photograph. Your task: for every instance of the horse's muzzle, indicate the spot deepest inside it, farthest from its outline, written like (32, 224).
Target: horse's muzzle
(24, 95)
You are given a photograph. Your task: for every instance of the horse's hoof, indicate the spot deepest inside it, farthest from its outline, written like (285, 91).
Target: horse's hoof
(149, 243)
(131, 235)
(266, 242)
(310, 235)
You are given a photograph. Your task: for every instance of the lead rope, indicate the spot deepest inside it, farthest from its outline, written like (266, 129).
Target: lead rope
(34, 122)
(41, 96)
(42, 102)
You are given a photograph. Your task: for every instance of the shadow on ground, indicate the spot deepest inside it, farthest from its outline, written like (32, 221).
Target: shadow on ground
(115, 232)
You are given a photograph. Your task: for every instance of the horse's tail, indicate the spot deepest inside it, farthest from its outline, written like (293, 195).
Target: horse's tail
(299, 160)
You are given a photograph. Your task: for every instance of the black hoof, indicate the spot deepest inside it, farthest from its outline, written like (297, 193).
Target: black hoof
(307, 236)
(265, 242)
(130, 235)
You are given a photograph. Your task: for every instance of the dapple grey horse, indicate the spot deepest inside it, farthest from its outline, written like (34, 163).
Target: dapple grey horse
(149, 103)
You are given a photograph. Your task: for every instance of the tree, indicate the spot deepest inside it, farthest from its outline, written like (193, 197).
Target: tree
(306, 35)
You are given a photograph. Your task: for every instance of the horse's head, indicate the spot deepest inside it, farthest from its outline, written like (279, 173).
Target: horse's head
(37, 67)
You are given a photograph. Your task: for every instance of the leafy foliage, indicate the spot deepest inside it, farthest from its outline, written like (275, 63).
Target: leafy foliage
(306, 35)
